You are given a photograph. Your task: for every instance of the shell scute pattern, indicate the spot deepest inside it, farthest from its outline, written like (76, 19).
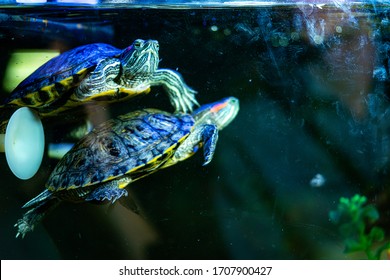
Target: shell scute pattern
(161, 122)
(133, 143)
(64, 69)
(72, 171)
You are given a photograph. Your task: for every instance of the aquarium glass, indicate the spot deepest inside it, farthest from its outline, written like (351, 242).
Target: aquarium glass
(312, 79)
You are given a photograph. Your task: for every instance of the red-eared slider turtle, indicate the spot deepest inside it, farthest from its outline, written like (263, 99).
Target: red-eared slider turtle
(125, 149)
(99, 72)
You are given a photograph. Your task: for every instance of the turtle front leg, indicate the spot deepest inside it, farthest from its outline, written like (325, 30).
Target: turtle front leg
(182, 97)
(203, 135)
(101, 83)
(209, 139)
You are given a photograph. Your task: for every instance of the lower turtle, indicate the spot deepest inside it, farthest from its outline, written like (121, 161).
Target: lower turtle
(124, 149)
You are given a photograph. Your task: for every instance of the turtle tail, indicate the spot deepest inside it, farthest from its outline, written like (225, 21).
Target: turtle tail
(41, 204)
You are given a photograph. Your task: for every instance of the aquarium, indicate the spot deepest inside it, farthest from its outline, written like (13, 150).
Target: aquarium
(301, 172)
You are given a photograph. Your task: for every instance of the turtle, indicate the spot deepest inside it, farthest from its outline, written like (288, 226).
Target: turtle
(99, 72)
(125, 149)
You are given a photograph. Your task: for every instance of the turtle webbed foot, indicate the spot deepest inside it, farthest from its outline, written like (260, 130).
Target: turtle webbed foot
(180, 94)
(183, 98)
(109, 192)
(23, 227)
(209, 138)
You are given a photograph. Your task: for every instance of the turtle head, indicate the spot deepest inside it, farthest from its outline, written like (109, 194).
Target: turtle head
(140, 58)
(220, 113)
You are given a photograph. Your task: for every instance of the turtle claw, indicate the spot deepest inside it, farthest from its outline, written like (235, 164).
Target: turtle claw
(185, 101)
(190, 99)
(23, 227)
(182, 97)
(193, 99)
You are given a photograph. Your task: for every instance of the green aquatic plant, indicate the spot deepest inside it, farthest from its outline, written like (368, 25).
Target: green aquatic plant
(355, 220)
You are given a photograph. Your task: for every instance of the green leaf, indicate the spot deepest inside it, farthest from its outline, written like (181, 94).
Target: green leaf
(353, 218)
(348, 230)
(358, 200)
(376, 234)
(352, 245)
(370, 213)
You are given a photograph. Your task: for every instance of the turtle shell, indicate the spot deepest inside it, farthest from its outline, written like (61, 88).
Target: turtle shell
(135, 144)
(58, 75)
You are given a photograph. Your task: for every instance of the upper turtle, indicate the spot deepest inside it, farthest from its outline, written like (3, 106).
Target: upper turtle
(125, 149)
(99, 73)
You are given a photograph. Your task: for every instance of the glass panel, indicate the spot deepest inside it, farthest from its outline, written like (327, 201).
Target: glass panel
(312, 80)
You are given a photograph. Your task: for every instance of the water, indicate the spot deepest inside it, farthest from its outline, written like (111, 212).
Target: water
(313, 88)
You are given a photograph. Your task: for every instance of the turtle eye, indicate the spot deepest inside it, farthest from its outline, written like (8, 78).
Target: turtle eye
(138, 44)
(157, 46)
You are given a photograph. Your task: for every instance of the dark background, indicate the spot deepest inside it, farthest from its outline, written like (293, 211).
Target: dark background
(312, 85)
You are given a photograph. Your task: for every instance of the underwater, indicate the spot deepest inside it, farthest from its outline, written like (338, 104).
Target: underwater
(272, 121)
